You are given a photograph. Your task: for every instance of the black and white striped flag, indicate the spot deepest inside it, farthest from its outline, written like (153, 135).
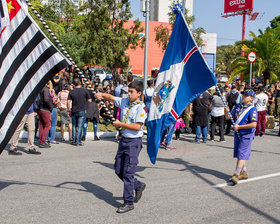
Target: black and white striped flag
(28, 60)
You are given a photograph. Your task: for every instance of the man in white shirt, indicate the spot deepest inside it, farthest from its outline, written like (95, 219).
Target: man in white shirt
(260, 101)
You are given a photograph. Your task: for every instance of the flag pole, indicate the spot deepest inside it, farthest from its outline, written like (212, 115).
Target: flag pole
(66, 54)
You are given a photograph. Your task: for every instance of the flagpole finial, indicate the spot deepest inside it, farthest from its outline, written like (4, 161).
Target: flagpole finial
(177, 8)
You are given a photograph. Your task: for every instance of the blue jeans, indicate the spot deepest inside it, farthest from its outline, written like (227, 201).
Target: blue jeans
(78, 119)
(170, 133)
(198, 132)
(86, 126)
(51, 135)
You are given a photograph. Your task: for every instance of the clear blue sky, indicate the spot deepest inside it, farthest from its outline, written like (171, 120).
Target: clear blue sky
(208, 15)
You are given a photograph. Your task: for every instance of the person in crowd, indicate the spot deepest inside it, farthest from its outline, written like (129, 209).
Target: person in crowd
(217, 117)
(54, 114)
(166, 141)
(271, 100)
(232, 99)
(45, 105)
(148, 94)
(78, 96)
(119, 87)
(65, 119)
(130, 144)
(253, 83)
(200, 115)
(245, 117)
(180, 125)
(124, 89)
(27, 120)
(261, 101)
(277, 98)
(91, 115)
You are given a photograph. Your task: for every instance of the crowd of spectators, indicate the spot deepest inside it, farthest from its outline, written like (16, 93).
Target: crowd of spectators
(55, 108)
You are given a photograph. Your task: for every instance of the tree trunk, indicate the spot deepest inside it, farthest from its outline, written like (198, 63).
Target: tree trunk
(266, 75)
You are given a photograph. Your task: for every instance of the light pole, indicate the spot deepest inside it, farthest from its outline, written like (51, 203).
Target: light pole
(145, 8)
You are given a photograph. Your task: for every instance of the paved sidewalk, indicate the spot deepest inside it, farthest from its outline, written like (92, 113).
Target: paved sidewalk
(70, 184)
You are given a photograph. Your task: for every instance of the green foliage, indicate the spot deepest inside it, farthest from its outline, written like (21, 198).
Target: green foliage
(163, 33)
(96, 35)
(225, 55)
(267, 47)
(275, 22)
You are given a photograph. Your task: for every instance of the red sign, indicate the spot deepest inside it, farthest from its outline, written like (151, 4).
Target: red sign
(238, 5)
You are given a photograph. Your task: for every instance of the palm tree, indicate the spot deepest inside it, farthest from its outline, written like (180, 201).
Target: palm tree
(267, 48)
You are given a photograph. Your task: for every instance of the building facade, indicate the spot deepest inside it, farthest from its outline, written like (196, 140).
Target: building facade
(159, 9)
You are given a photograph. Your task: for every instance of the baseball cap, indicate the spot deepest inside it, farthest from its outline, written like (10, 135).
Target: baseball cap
(249, 92)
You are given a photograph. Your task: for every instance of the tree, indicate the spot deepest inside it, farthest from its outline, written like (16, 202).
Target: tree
(163, 33)
(267, 48)
(225, 55)
(275, 22)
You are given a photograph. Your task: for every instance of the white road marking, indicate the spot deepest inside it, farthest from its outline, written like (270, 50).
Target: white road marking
(248, 180)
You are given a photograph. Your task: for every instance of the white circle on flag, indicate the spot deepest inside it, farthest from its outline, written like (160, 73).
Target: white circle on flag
(252, 57)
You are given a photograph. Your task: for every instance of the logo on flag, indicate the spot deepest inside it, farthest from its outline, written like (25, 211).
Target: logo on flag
(183, 76)
(28, 60)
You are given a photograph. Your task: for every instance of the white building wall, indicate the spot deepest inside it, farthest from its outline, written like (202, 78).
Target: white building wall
(159, 9)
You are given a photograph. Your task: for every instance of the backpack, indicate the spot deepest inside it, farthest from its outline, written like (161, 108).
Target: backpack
(232, 99)
(38, 103)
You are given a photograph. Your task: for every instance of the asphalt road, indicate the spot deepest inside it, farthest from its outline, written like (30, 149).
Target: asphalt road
(68, 184)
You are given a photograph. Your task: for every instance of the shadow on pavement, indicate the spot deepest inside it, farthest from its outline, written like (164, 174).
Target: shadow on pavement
(196, 171)
(97, 191)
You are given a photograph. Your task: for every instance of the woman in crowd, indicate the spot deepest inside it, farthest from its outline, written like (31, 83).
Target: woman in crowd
(65, 119)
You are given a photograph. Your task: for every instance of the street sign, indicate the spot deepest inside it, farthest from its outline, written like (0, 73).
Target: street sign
(252, 57)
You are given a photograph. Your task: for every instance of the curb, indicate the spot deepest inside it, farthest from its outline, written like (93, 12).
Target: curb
(90, 135)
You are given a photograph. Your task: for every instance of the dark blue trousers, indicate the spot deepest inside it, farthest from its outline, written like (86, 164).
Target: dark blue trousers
(125, 166)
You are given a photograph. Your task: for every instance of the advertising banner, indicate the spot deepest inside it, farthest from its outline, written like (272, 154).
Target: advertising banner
(237, 5)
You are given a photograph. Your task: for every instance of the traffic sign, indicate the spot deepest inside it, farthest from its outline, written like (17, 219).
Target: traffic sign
(252, 57)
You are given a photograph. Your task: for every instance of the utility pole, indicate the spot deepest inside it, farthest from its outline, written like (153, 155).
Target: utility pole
(145, 8)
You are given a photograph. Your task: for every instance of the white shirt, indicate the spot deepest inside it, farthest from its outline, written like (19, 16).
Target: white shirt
(217, 111)
(261, 101)
(137, 114)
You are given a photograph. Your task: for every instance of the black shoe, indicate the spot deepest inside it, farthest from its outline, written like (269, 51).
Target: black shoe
(138, 194)
(196, 141)
(96, 138)
(278, 134)
(44, 145)
(74, 143)
(83, 138)
(80, 144)
(15, 153)
(125, 208)
(204, 141)
(34, 151)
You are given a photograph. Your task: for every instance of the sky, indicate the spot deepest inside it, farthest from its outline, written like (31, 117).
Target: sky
(208, 16)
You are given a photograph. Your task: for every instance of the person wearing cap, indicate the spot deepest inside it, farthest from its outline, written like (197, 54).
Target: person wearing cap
(260, 101)
(245, 118)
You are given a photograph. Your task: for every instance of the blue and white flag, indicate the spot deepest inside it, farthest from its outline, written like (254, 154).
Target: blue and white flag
(183, 76)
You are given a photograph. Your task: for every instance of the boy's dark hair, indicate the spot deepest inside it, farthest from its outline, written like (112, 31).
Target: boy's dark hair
(150, 82)
(76, 82)
(138, 85)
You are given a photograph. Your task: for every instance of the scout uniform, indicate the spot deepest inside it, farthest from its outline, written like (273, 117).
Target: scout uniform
(244, 137)
(129, 147)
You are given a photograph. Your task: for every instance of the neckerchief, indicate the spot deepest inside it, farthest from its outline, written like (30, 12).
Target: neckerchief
(242, 113)
(131, 104)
